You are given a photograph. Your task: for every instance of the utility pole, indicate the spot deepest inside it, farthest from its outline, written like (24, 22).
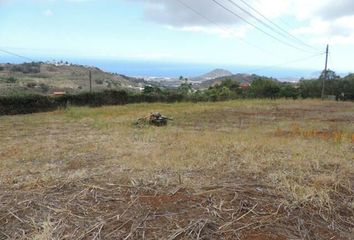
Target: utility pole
(325, 74)
(90, 77)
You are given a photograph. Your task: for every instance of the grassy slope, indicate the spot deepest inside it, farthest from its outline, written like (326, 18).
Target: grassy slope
(259, 167)
(72, 78)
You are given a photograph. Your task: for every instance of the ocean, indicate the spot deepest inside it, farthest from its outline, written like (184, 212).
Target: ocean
(175, 69)
(141, 68)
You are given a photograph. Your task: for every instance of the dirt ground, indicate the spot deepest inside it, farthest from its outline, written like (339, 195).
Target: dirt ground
(235, 170)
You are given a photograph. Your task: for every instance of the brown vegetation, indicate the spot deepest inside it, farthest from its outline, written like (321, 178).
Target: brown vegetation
(230, 170)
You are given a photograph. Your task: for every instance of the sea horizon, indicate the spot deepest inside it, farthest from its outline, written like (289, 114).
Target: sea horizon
(163, 69)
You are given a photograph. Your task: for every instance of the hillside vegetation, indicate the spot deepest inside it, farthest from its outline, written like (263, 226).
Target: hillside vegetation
(245, 169)
(43, 78)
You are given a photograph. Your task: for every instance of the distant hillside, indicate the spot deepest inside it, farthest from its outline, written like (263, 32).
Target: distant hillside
(209, 79)
(241, 78)
(175, 82)
(217, 73)
(45, 78)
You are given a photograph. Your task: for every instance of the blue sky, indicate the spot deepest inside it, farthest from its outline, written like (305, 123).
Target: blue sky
(158, 30)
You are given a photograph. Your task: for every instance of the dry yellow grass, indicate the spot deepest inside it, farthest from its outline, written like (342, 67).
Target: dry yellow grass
(302, 151)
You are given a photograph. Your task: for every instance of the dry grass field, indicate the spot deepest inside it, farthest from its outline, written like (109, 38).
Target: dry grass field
(252, 169)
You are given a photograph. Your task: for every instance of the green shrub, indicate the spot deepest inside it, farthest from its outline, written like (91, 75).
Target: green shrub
(27, 68)
(11, 80)
(21, 104)
(95, 99)
(44, 87)
(99, 81)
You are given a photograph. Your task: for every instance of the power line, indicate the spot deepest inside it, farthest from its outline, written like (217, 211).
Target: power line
(258, 28)
(227, 29)
(221, 26)
(16, 55)
(283, 32)
(259, 20)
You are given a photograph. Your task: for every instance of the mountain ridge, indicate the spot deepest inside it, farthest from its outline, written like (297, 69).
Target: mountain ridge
(216, 73)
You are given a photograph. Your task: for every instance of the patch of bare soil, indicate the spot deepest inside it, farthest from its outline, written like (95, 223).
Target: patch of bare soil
(327, 134)
(243, 118)
(94, 209)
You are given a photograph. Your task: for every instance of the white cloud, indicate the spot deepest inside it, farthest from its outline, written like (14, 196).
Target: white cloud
(238, 31)
(338, 31)
(321, 20)
(173, 13)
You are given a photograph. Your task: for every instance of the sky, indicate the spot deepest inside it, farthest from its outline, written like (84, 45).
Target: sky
(286, 33)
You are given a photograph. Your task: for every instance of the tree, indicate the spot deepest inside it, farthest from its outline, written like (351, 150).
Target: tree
(263, 87)
(289, 91)
(32, 67)
(310, 88)
(331, 83)
(227, 89)
(346, 88)
(185, 88)
(149, 90)
(331, 75)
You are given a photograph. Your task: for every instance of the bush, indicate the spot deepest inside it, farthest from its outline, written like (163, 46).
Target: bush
(27, 68)
(44, 87)
(99, 81)
(21, 104)
(95, 99)
(10, 80)
(289, 91)
(263, 87)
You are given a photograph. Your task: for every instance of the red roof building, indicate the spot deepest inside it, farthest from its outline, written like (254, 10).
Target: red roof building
(244, 85)
(59, 93)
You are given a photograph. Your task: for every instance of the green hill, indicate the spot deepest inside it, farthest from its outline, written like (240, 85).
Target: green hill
(241, 78)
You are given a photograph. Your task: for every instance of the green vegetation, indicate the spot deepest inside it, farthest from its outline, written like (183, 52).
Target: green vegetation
(288, 90)
(185, 88)
(8, 79)
(45, 88)
(228, 89)
(99, 81)
(21, 104)
(27, 68)
(261, 87)
(31, 103)
(340, 88)
(60, 76)
(264, 88)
